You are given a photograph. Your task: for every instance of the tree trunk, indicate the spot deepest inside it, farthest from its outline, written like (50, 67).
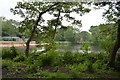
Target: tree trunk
(115, 48)
(28, 41)
(32, 34)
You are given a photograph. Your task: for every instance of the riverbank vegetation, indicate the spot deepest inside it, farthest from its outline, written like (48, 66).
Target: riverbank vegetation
(53, 64)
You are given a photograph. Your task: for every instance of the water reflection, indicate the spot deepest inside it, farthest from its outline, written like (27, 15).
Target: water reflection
(71, 48)
(76, 48)
(65, 47)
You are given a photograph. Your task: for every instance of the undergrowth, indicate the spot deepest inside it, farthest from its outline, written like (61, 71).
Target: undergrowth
(53, 64)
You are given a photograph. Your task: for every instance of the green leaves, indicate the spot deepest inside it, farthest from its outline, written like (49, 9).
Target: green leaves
(10, 27)
(61, 11)
(54, 22)
(104, 35)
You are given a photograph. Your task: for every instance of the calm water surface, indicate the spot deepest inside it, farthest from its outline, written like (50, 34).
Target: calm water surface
(72, 48)
(67, 47)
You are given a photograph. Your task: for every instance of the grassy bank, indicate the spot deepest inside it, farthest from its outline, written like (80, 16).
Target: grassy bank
(53, 64)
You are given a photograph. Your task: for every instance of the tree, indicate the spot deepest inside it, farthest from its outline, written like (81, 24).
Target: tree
(95, 34)
(60, 35)
(69, 34)
(85, 36)
(104, 36)
(9, 27)
(113, 16)
(32, 13)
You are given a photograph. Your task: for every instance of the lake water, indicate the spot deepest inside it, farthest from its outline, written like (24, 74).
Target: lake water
(67, 47)
(75, 48)
(72, 48)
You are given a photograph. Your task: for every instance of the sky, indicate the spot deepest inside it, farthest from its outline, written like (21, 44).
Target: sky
(93, 18)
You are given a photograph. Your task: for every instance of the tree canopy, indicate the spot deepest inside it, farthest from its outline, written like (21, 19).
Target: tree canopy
(32, 13)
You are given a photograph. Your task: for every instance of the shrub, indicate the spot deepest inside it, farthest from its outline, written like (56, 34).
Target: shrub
(50, 58)
(46, 59)
(85, 66)
(103, 57)
(99, 66)
(74, 73)
(9, 53)
(5, 53)
(6, 64)
(68, 58)
(31, 69)
(19, 58)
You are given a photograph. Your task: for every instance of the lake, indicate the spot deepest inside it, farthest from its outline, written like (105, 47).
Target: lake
(75, 48)
(67, 47)
(72, 48)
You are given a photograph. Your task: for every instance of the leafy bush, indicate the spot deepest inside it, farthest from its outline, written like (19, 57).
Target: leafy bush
(19, 58)
(9, 65)
(85, 47)
(6, 64)
(31, 69)
(50, 58)
(9, 53)
(87, 62)
(68, 58)
(85, 66)
(99, 67)
(46, 59)
(74, 73)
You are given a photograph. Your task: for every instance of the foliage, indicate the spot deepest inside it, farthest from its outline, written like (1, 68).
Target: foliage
(85, 47)
(53, 58)
(76, 63)
(112, 15)
(104, 35)
(6, 64)
(9, 53)
(73, 35)
(48, 58)
(48, 75)
(85, 36)
(60, 35)
(89, 62)
(74, 73)
(69, 35)
(19, 58)
(9, 27)
(68, 58)
(33, 12)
